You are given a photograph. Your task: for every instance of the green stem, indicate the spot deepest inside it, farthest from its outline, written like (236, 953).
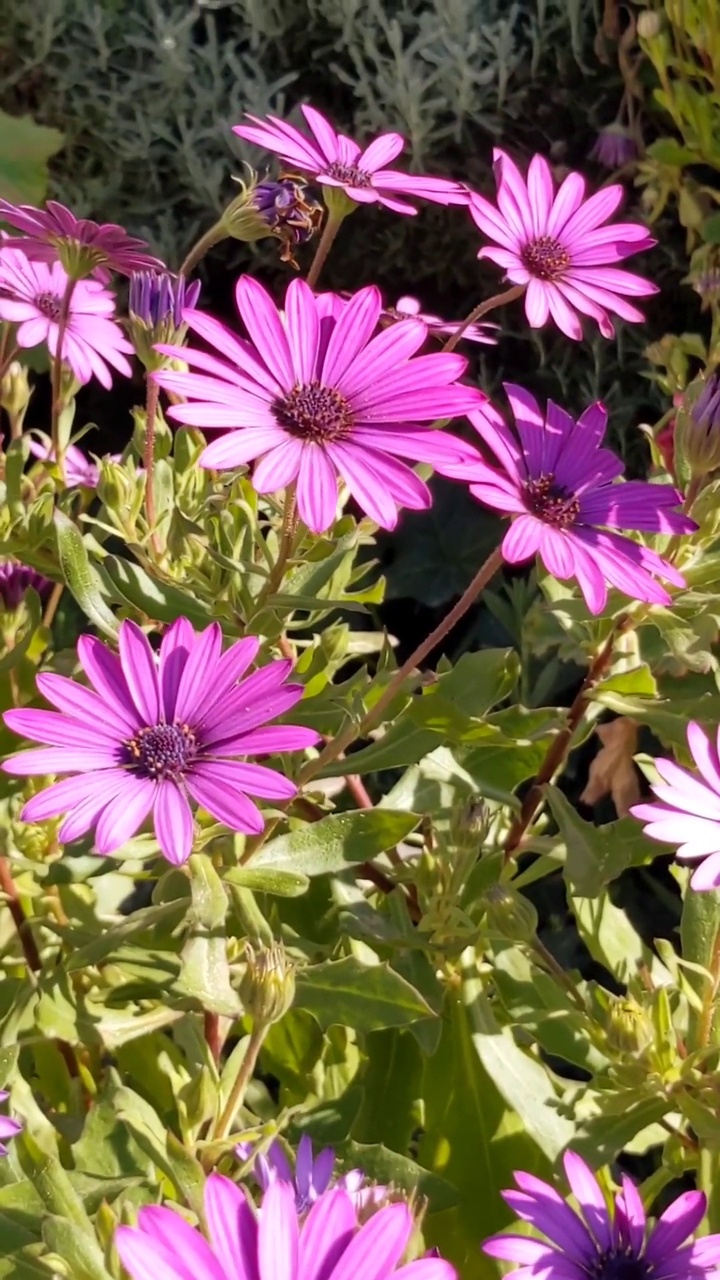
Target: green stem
(57, 369)
(497, 300)
(330, 230)
(201, 247)
(709, 995)
(151, 404)
(222, 1126)
(287, 537)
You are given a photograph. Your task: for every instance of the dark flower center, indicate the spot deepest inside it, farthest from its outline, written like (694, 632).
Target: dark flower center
(161, 750)
(50, 305)
(349, 174)
(314, 412)
(550, 502)
(615, 1266)
(545, 258)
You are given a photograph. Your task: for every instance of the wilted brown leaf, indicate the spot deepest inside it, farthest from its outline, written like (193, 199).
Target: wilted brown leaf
(613, 771)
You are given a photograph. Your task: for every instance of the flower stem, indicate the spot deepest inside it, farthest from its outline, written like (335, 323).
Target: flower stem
(201, 247)
(20, 920)
(213, 1039)
(57, 369)
(330, 230)
(287, 537)
(52, 605)
(151, 404)
(222, 1126)
(709, 995)
(497, 300)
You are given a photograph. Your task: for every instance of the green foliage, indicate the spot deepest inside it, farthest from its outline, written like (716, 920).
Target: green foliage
(25, 149)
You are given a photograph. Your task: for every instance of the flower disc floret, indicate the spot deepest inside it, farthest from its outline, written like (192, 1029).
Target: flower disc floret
(555, 244)
(153, 733)
(561, 489)
(317, 393)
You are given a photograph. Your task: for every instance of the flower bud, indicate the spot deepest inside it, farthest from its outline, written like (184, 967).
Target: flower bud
(267, 987)
(628, 1029)
(15, 580)
(614, 147)
(697, 432)
(283, 209)
(156, 305)
(469, 825)
(649, 24)
(15, 390)
(510, 914)
(704, 273)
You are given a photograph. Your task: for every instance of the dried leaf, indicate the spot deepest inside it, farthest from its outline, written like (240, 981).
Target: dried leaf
(613, 771)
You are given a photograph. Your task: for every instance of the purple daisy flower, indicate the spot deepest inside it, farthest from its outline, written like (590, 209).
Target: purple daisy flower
(408, 308)
(556, 245)
(311, 1176)
(80, 472)
(31, 296)
(155, 732)
(595, 1242)
(689, 813)
(272, 1243)
(15, 580)
(334, 160)
(314, 395)
(614, 147)
(83, 246)
(8, 1128)
(557, 483)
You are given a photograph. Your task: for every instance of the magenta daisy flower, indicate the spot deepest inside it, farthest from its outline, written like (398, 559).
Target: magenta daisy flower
(311, 1176)
(595, 1242)
(8, 1128)
(152, 734)
(556, 245)
(688, 815)
(313, 395)
(557, 483)
(271, 1243)
(334, 160)
(31, 296)
(408, 308)
(83, 246)
(15, 580)
(80, 471)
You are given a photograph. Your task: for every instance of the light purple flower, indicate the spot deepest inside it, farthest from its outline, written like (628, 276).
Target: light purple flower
(595, 1242)
(8, 1128)
(313, 395)
(159, 298)
(31, 296)
(312, 1174)
(80, 471)
(557, 483)
(334, 160)
(272, 1243)
(154, 733)
(15, 580)
(408, 308)
(83, 246)
(556, 245)
(688, 815)
(614, 147)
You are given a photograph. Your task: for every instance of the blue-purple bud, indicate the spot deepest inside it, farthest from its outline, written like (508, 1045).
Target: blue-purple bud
(697, 430)
(15, 580)
(614, 147)
(158, 297)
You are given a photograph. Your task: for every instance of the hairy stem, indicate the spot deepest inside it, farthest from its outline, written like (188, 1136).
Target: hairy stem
(57, 368)
(213, 1039)
(287, 537)
(151, 404)
(222, 1126)
(325, 243)
(497, 300)
(201, 247)
(52, 605)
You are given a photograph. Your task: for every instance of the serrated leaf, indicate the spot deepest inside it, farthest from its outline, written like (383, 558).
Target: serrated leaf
(337, 842)
(25, 148)
(81, 576)
(597, 855)
(352, 994)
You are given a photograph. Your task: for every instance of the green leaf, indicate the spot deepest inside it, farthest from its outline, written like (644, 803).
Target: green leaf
(83, 1255)
(668, 719)
(25, 148)
(353, 994)
(159, 600)
(700, 936)
(710, 230)
(145, 920)
(385, 1167)
(280, 883)
(612, 941)
(51, 1182)
(602, 1137)
(392, 1087)
(597, 855)
(205, 972)
(81, 576)
(403, 744)
(337, 842)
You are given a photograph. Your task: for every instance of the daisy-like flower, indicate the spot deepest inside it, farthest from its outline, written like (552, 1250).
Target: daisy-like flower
(556, 481)
(311, 1176)
(594, 1242)
(556, 245)
(8, 1128)
(407, 308)
(153, 733)
(334, 160)
(84, 247)
(614, 147)
(80, 472)
(15, 580)
(313, 395)
(272, 1243)
(688, 814)
(31, 296)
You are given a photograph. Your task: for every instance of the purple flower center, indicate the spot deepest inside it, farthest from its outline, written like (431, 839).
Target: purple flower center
(613, 1266)
(545, 258)
(550, 502)
(349, 174)
(50, 305)
(314, 412)
(161, 750)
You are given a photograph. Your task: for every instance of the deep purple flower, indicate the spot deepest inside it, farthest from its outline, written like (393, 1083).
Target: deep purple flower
(15, 580)
(288, 210)
(334, 160)
(31, 296)
(408, 308)
(554, 244)
(155, 732)
(312, 1174)
(272, 1243)
(614, 147)
(595, 1242)
(83, 246)
(314, 395)
(688, 814)
(8, 1128)
(158, 298)
(557, 483)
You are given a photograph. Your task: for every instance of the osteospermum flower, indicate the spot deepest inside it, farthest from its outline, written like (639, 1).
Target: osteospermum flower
(334, 160)
(688, 814)
(15, 580)
(79, 470)
(313, 395)
(407, 308)
(595, 1242)
(272, 1244)
(31, 296)
(311, 1176)
(8, 1128)
(557, 483)
(614, 147)
(154, 733)
(555, 245)
(83, 246)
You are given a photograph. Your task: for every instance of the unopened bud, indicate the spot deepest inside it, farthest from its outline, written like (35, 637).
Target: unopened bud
(704, 273)
(510, 914)
(697, 432)
(267, 987)
(628, 1028)
(470, 824)
(284, 209)
(156, 305)
(649, 24)
(614, 147)
(15, 389)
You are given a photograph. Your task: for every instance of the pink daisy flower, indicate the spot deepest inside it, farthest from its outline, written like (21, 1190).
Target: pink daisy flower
(557, 483)
(79, 470)
(8, 1128)
(334, 160)
(31, 296)
(556, 245)
(315, 394)
(153, 733)
(83, 246)
(407, 308)
(688, 814)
